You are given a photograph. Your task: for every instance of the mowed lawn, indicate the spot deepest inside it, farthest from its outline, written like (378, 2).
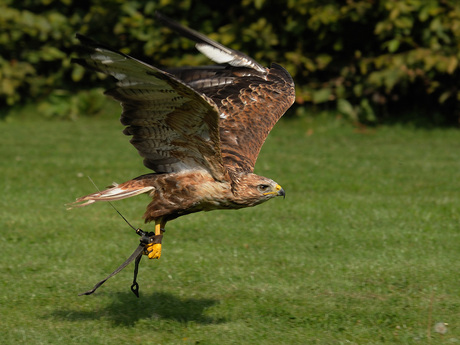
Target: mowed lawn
(365, 249)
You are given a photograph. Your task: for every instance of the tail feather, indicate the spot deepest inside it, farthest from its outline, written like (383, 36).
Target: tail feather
(116, 192)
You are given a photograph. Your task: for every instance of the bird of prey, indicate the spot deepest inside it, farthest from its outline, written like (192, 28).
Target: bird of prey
(200, 129)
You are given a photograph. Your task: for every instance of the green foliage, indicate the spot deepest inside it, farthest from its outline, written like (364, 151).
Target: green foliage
(377, 56)
(369, 59)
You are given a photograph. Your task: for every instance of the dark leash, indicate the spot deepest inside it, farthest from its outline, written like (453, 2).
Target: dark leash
(146, 238)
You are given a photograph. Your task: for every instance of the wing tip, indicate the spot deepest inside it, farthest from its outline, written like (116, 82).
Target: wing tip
(215, 51)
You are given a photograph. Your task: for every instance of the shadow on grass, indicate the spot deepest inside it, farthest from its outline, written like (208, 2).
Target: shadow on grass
(126, 310)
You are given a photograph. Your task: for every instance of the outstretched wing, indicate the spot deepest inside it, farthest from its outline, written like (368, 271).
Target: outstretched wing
(250, 97)
(173, 126)
(215, 118)
(249, 112)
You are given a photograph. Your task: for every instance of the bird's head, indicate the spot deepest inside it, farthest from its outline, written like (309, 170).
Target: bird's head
(252, 189)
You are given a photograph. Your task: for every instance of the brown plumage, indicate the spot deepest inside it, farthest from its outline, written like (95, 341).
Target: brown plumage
(200, 129)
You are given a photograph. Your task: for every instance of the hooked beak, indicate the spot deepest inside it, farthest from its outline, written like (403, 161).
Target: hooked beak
(279, 191)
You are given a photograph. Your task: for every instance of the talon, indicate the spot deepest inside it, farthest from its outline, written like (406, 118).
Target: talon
(153, 250)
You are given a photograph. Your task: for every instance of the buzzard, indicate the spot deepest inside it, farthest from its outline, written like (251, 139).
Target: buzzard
(200, 129)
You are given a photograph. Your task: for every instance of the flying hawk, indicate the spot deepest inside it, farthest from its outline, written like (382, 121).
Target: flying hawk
(200, 129)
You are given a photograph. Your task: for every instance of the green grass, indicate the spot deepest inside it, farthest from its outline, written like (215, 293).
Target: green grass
(364, 249)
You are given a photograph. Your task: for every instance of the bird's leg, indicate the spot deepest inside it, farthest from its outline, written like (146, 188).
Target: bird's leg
(153, 249)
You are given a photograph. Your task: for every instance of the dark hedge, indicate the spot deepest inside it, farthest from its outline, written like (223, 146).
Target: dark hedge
(370, 60)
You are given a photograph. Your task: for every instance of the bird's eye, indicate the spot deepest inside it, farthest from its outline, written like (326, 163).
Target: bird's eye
(263, 187)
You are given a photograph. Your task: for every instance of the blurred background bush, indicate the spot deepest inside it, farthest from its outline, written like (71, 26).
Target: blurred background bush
(370, 61)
